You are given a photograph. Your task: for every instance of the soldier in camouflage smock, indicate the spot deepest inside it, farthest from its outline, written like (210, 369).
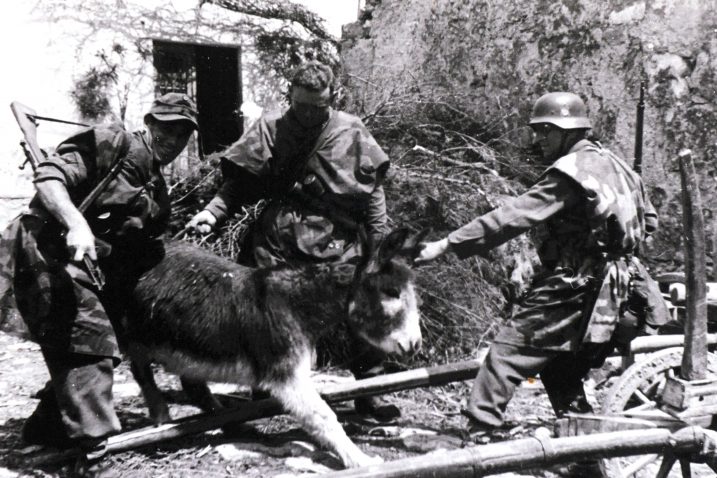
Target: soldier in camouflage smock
(593, 215)
(336, 165)
(42, 249)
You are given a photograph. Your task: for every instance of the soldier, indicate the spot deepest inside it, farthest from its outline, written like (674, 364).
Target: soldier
(73, 321)
(595, 215)
(320, 170)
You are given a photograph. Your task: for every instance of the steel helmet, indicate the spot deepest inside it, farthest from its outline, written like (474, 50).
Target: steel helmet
(562, 109)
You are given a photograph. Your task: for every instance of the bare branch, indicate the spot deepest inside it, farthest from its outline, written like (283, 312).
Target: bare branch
(454, 162)
(278, 10)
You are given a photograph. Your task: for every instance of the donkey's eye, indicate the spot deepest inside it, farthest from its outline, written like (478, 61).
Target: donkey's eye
(392, 292)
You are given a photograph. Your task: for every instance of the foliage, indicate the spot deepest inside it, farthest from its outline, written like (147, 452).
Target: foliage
(442, 176)
(274, 35)
(449, 166)
(90, 93)
(450, 163)
(92, 90)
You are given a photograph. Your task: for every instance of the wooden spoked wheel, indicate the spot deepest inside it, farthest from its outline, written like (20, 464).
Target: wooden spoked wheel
(633, 395)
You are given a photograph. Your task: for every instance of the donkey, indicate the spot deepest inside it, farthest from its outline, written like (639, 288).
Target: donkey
(209, 319)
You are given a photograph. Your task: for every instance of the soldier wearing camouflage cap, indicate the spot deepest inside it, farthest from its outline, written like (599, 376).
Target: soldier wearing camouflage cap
(41, 253)
(338, 167)
(593, 215)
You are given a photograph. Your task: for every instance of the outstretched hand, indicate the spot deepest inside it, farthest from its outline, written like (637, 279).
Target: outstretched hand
(203, 222)
(431, 250)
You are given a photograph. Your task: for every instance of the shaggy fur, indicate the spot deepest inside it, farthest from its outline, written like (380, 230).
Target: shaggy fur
(209, 319)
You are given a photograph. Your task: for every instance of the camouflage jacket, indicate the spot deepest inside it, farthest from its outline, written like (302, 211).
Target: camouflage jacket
(347, 166)
(591, 214)
(134, 207)
(55, 297)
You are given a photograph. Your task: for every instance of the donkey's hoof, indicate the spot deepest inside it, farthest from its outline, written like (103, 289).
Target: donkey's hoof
(364, 460)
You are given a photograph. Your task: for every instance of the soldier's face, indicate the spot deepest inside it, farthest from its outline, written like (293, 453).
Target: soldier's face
(169, 138)
(550, 140)
(310, 108)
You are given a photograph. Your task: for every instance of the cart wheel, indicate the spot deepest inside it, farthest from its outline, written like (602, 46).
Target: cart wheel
(633, 394)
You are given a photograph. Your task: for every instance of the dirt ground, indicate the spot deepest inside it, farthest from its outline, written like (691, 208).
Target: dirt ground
(274, 447)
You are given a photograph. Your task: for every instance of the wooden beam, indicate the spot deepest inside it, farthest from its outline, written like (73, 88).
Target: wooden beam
(532, 453)
(416, 378)
(652, 343)
(253, 410)
(694, 359)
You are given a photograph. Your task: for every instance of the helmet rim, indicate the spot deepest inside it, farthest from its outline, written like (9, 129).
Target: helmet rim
(562, 109)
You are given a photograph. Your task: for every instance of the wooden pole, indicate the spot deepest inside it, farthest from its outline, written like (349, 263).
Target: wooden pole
(254, 410)
(641, 345)
(694, 359)
(532, 453)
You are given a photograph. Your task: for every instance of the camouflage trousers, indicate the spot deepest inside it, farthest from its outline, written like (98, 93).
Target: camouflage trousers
(76, 406)
(506, 366)
(59, 305)
(62, 311)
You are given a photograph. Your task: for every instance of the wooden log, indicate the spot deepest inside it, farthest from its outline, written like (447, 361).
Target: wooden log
(253, 410)
(694, 359)
(532, 453)
(640, 345)
(421, 377)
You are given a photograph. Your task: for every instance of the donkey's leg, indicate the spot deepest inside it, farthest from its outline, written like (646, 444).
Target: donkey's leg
(143, 375)
(299, 397)
(200, 395)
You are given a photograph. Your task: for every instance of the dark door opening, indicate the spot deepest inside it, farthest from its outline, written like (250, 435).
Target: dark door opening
(211, 74)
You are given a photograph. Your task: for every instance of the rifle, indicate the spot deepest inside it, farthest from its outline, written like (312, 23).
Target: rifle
(27, 120)
(637, 165)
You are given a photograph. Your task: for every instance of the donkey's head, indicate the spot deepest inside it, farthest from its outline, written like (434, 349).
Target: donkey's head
(383, 307)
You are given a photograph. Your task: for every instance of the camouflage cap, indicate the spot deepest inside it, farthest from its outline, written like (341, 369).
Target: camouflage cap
(174, 107)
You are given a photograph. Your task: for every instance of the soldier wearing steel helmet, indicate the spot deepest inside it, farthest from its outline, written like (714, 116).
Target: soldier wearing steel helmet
(594, 214)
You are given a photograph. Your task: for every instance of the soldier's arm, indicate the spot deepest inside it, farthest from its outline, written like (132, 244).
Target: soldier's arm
(376, 216)
(239, 188)
(551, 195)
(53, 179)
(56, 199)
(243, 165)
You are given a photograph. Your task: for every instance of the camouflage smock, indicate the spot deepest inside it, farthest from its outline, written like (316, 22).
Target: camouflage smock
(593, 214)
(271, 156)
(57, 300)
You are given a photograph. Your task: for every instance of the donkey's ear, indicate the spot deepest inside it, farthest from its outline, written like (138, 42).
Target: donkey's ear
(392, 245)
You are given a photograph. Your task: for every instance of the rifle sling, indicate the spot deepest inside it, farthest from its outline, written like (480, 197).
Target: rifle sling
(120, 146)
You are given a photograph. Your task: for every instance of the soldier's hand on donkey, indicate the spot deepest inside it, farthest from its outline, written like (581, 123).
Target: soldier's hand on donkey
(203, 222)
(431, 250)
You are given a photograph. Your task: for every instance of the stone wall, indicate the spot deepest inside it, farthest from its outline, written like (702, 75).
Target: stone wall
(505, 54)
